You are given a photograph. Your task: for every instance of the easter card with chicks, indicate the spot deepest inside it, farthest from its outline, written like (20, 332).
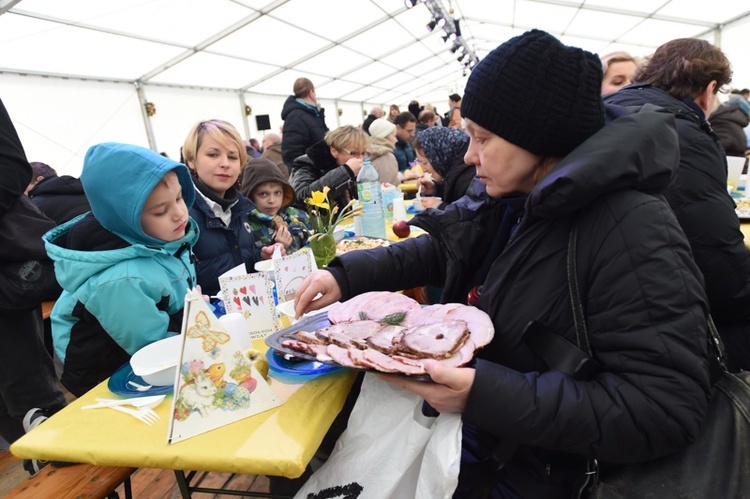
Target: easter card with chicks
(217, 382)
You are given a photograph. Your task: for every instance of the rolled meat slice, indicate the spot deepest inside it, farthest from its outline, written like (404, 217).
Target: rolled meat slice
(374, 305)
(437, 341)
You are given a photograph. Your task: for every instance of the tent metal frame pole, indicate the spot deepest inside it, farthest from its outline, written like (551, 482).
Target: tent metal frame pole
(243, 113)
(146, 118)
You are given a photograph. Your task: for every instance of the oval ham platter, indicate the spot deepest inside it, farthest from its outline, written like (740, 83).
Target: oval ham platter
(387, 332)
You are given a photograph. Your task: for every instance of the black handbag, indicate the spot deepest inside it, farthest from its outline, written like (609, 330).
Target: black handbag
(27, 275)
(716, 464)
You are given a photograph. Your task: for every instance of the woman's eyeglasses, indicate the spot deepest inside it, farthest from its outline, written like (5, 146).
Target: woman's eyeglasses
(355, 154)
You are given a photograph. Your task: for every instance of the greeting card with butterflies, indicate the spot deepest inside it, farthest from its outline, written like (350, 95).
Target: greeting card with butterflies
(252, 296)
(216, 383)
(291, 270)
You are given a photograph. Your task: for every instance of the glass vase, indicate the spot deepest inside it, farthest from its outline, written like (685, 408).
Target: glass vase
(324, 248)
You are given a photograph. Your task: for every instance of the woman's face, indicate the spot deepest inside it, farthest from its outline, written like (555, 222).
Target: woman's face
(350, 151)
(619, 74)
(503, 167)
(216, 165)
(427, 166)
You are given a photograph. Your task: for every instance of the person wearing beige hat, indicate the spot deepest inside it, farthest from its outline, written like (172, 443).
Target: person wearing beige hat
(382, 145)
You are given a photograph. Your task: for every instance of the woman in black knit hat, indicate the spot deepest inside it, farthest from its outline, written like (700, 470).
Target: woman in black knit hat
(535, 118)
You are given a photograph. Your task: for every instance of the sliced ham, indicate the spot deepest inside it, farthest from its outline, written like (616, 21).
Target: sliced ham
(340, 356)
(360, 330)
(479, 323)
(389, 364)
(310, 337)
(374, 305)
(432, 314)
(309, 348)
(383, 340)
(437, 341)
(358, 357)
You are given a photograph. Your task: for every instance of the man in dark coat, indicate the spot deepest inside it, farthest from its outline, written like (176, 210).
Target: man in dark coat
(698, 193)
(375, 113)
(406, 127)
(729, 122)
(60, 198)
(28, 385)
(304, 121)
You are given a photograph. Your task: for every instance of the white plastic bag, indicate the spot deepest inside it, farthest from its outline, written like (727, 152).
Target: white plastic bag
(390, 450)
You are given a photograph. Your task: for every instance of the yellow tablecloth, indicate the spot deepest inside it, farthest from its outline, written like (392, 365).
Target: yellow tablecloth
(745, 228)
(279, 442)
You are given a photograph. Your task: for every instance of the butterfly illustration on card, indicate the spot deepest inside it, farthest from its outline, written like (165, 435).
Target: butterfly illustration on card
(202, 329)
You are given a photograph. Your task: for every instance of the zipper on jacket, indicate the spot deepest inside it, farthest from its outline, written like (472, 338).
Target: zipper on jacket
(191, 257)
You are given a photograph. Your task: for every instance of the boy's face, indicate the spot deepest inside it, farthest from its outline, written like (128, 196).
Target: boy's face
(165, 215)
(268, 197)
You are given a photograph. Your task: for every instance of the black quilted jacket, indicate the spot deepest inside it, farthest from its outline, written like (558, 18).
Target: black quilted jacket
(642, 293)
(698, 195)
(302, 128)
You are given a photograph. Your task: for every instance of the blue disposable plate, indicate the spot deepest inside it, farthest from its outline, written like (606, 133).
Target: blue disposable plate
(118, 383)
(297, 371)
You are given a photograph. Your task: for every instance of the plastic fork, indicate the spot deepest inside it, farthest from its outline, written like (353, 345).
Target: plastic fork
(139, 387)
(145, 414)
(137, 402)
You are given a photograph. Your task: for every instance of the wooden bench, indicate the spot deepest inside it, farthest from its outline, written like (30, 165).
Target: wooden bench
(79, 481)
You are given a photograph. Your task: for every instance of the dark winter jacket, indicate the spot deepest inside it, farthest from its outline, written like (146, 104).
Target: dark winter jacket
(273, 152)
(303, 127)
(317, 169)
(368, 121)
(15, 170)
(644, 304)
(220, 247)
(60, 198)
(404, 153)
(729, 122)
(698, 195)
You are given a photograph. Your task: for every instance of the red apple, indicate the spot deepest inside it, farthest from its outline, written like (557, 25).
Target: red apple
(401, 229)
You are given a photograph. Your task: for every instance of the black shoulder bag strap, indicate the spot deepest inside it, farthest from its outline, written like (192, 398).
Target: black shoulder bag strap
(716, 346)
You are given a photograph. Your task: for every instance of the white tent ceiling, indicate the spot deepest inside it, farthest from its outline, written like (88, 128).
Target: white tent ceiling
(357, 52)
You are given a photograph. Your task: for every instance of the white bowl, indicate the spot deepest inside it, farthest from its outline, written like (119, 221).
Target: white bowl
(157, 363)
(339, 233)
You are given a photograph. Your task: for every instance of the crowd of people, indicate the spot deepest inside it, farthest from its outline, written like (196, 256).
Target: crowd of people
(627, 154)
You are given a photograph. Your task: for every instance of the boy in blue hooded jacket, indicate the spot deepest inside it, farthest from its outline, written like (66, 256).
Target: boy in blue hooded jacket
(125, 266)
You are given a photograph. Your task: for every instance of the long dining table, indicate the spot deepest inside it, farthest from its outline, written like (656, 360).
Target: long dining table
(278, 442)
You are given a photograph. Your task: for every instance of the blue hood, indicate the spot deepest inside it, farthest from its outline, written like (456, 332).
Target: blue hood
(118, 178)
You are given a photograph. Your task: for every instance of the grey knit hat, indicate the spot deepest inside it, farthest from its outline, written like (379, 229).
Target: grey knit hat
(537, 93)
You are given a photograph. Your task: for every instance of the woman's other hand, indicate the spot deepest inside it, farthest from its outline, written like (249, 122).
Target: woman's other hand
(427, 185)
(430, 201)
(266, 252)
(355, 164)
(449, 390)
(283, 236)
(319, 282)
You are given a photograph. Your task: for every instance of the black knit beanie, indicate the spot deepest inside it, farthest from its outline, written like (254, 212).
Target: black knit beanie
(537, 93)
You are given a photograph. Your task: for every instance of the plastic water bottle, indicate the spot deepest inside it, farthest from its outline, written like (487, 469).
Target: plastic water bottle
(368, 191)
